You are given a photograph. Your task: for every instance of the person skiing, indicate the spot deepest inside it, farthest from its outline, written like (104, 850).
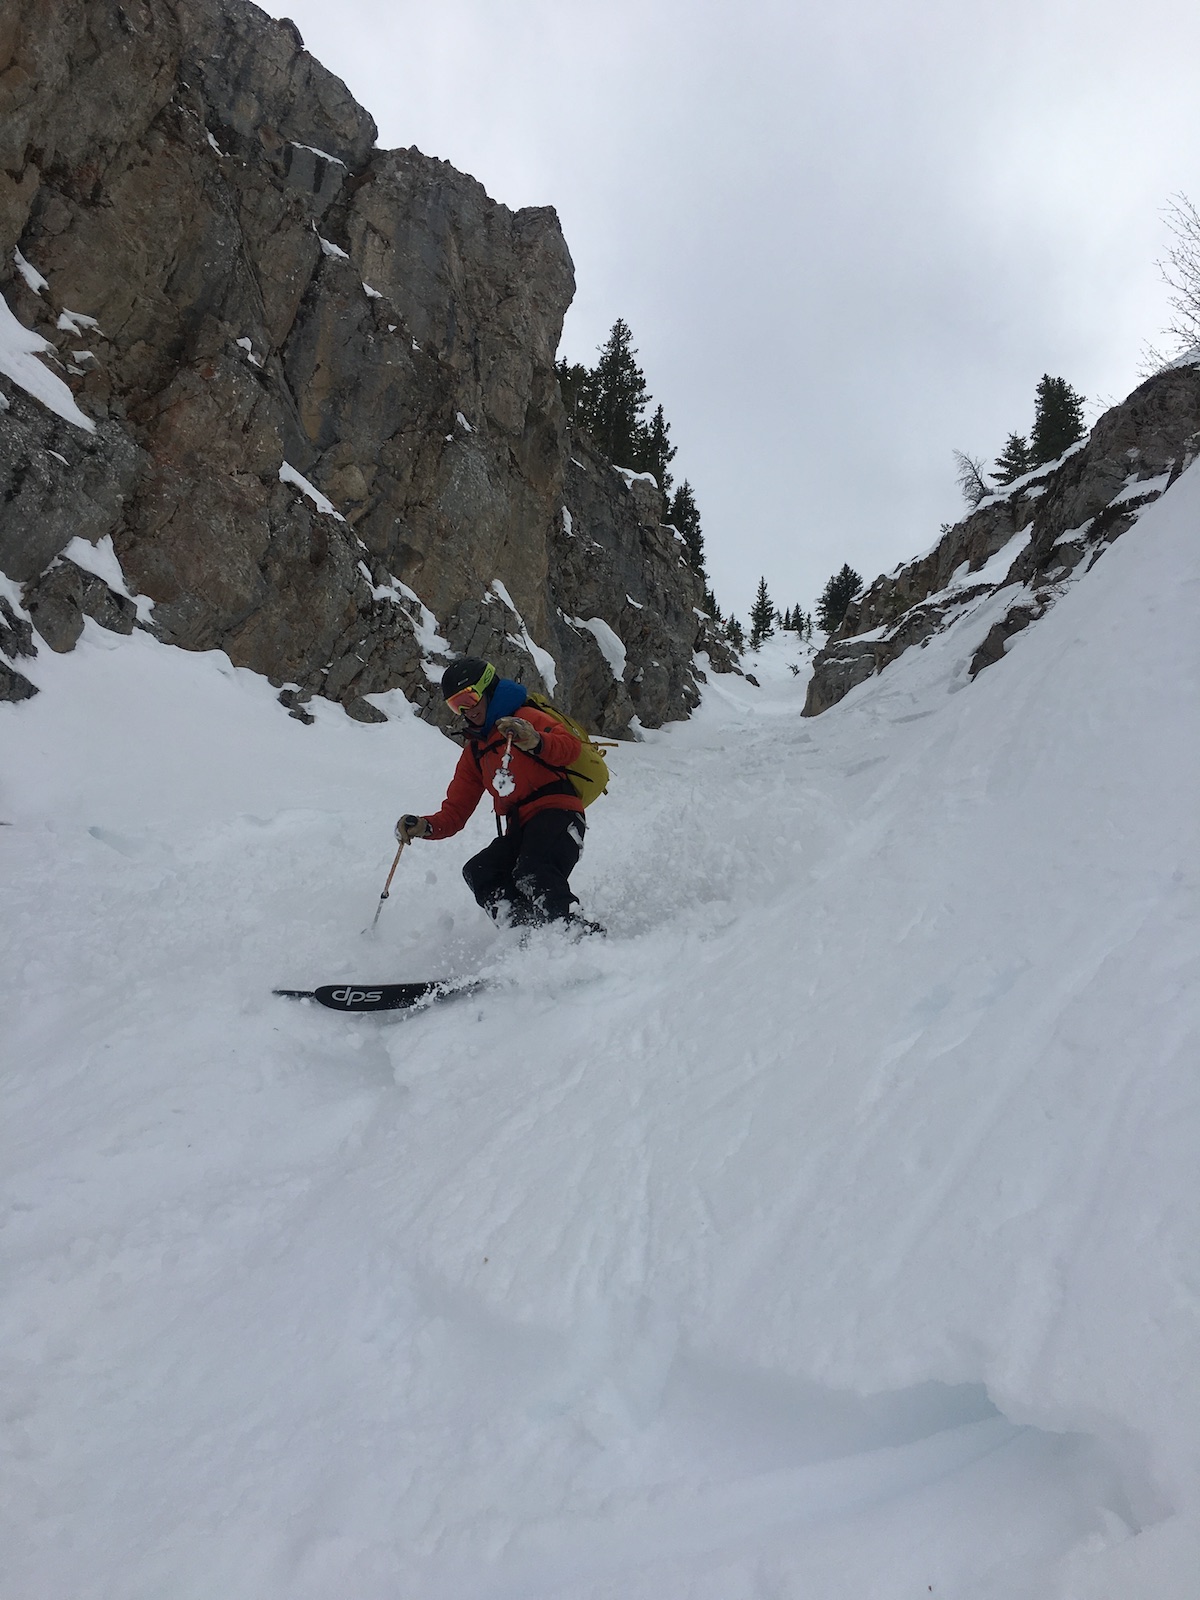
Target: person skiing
(519, 754)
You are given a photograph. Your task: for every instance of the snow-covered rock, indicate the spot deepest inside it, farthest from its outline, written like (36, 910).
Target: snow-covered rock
(1030, 536)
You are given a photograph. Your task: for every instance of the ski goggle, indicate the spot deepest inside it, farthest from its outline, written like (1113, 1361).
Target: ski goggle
(472, 694)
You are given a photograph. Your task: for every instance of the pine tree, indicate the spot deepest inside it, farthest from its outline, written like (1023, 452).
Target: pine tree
(735, 634)
(1057, 422)
(654, 452)
(762, 616)
(836, 597)
(614, 397)
(1014, 460)
(685, 516)
(572, 382)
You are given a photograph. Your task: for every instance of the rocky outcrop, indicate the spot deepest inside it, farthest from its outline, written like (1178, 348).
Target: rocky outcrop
(16, 641)
(328, 437)
(1030, 538)
(623, 593)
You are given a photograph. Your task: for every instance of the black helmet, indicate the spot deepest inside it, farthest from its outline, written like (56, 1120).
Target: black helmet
(469, 673)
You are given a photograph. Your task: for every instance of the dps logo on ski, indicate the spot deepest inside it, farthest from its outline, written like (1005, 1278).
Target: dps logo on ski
(382, 996)
(357, 997)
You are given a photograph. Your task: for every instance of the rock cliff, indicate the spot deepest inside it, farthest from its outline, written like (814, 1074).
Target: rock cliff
(317, 414)
(1031, 537)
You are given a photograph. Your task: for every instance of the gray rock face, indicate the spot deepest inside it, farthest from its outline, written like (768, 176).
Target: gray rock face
(616, 567)
(1072, 510)
(64, 595)
(16, 640)
(265, 287)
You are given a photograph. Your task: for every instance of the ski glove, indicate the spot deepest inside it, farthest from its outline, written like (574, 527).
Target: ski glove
(523, 734)
(410, 828)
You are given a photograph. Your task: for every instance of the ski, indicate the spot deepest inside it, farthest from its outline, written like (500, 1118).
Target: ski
(380, 996)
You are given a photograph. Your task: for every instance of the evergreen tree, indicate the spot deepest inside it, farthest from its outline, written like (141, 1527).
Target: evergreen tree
(655, 450)
(572, 382)
(1057, 422)
(614, 397)
(685, 516)
(735, 634)
(1014, 461)
(836, 597)
(762, 616)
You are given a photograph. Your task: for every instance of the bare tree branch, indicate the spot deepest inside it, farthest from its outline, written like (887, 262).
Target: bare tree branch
(970, 479)
(1180, 271)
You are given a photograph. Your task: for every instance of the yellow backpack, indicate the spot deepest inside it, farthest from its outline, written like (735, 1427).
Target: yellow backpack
(589, 776)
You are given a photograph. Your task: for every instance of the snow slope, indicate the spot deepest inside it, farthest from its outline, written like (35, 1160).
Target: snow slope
(828, 1231)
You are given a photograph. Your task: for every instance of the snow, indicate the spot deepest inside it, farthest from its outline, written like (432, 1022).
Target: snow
(212, 141)
(75, 322)
(542, 659)
(994, 570)
(31, 275)
(827, 1231)
(631, 477)
(1072, 534)
(424, 625)
(636, 604)
(19, 351)
(324, 154)
(463, 423)
(288, 474)
(1025, 484)
(568, 526)
(611, 646)
(101, 559)
(11, 591)
(246, 344)
(371, 294)
(1143, 488)
(330, 249)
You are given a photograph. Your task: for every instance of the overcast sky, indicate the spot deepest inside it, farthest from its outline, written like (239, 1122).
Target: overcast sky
(847, 239)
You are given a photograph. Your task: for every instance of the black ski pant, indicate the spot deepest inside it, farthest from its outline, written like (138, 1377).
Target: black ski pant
(524, 872)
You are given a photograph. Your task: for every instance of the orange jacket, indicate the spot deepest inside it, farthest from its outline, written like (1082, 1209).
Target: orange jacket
(538, 788)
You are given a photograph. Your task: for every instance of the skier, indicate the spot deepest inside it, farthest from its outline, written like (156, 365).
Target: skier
(522, 761)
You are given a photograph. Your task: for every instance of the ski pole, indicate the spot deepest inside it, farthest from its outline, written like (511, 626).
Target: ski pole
(387, 886)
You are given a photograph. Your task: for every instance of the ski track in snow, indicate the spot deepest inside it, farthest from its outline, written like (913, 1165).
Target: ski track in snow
(826, 1231)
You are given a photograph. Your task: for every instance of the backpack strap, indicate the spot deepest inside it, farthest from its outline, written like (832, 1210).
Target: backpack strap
(560, 785)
